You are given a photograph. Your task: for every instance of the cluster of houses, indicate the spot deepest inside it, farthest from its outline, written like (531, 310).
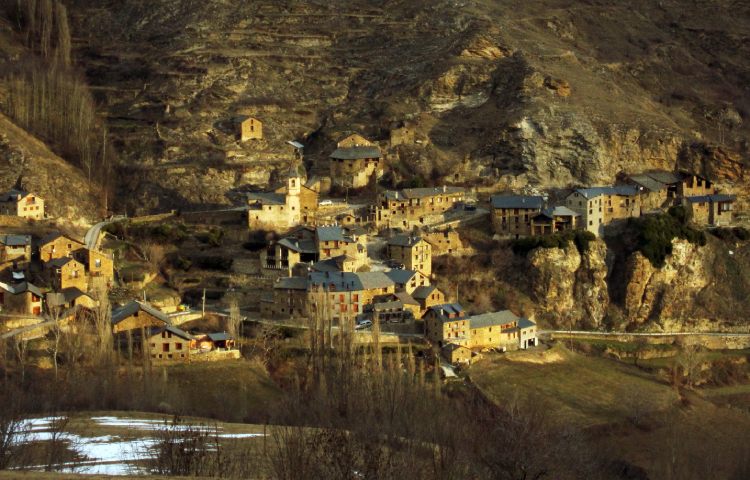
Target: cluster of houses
(38, 275)
(324, 268)
(144, 329)
(592, 209)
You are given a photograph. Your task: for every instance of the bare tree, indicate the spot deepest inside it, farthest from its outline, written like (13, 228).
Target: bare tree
(234, 320)
(102, 318)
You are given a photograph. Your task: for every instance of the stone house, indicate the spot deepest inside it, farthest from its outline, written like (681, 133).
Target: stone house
(554, 220)
(407, 280)
(446, 242)
(342, 296)
(248, 128)
(427, 296)
(57, 245)
(15, 256)
(21, 298)
(411, 251)
(599, 206)
(448, 323)
(99, 265)
(168, 343)
(62, 273)
(415, 207)
(290, 205)
(512, 214)
(335, 241)
(654, 194)
(287, 300)
(692, 185)
(409, 303)
(355, 162)
(71, 298)
(456, 354)
(714, 210)
(137, 315)
(22, 204)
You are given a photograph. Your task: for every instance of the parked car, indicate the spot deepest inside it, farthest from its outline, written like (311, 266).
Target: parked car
(363, 324)
(325, 203)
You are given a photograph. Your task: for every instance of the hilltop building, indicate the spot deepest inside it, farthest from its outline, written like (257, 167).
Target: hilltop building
(599, 206)
(287, 206)
(512, 214)
(248, 128)
(714, 210)
(355, 162)
(22, 204)
(415, 207)
(554, 220)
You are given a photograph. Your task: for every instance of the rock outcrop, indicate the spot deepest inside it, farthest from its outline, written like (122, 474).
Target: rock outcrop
(570, 288)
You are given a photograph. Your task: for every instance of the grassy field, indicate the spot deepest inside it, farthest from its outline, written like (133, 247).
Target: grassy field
(585, 390)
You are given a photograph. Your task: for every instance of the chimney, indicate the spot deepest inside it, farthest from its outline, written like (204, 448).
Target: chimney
(445, 188)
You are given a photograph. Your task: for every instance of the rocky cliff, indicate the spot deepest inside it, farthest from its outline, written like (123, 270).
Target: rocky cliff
(699, 287)
(546, 93)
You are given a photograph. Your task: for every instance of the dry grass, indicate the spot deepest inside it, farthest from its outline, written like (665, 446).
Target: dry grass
(584, 390)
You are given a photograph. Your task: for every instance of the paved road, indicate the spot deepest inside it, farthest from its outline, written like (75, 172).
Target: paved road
(635, 334)
(91, 240)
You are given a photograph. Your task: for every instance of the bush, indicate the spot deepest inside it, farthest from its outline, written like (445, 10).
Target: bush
(580, 238)
(213, 262)
(654, 234)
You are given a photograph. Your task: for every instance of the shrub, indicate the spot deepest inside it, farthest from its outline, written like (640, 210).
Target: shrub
(580, 238)
(742, 233)
(213, 262)
(654, 234)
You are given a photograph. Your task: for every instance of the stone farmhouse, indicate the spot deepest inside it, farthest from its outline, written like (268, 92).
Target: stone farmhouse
(57, 245)
(415, 207)
(15, 256)
(407, 280)
(22, 204)
(136, 315)
(449, 323)
(600, 206)
(657, 190)
(248, 128)
(287, 206)
(69, 298)
(446, 242)
(413, 252)
(355, 162)
(65, 272)
(512, 214)
(714, 210)
(169, 343)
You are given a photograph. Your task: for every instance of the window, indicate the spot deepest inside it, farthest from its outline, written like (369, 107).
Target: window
(98, 263)
(164, 347)
(178, 346)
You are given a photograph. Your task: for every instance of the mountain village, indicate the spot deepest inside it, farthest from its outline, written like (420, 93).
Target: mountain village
(362, 264)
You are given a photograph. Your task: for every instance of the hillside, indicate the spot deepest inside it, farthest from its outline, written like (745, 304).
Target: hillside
(545, 93)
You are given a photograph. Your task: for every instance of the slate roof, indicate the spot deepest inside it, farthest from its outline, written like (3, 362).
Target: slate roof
(420, 293)
(22, 287)
(492, 319)
(442, 312)
(517, 201)
(450, 347)
(711, 198)
(356, 153)
(134, 306)
(301, 246)
(15, 240)
(594, 192)
(525, 323)
(179, 332)
(295, 144)
(331, 233)
(559, 211)
(350, 281)
(648, 182)
(54, 236)
(267, 198)
(12, 195)
(291, 283)
(667, 178)
(406, 299)
(67, 295)
(404, 240)
(400, 276)
(219, 337)
(59, 262)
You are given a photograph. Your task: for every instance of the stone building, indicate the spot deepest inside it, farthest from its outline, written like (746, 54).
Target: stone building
(428, 296)
(355, 162)
(654, 194)
(407, 280)
(136, 315)
(168, 343)
(248, 128)
(413, 252)
(692, 185)
(415, 207)
(512, 214)
(600, 206)
(446, 242)
(21, 298)
(18, 203)
(287, 206)
(15, 256)
(449, 323)
(714, 210)
(554, 220)
(66, 272)
(57, 245)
